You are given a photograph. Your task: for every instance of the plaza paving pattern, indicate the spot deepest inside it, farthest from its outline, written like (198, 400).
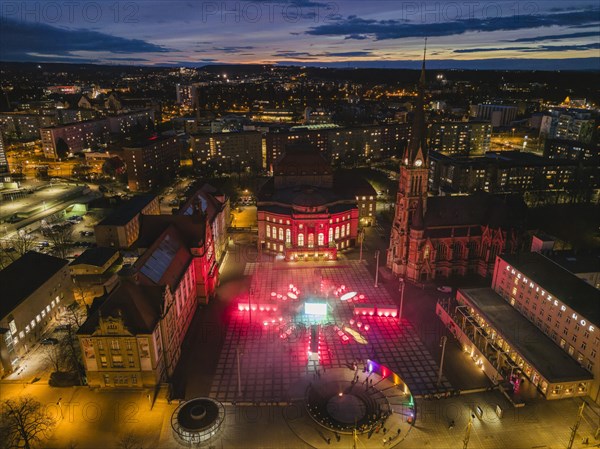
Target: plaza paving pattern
(273, 346)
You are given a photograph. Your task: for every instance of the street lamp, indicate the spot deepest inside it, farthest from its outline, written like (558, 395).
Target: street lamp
(402, 285)
(239, 375)
(376, 268)
(443, 346)
(361, 239)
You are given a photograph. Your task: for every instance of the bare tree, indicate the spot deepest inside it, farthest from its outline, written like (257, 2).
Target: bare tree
(61, 239)
(129, 441)
(56, 356)
(24, 423)
(23, 242)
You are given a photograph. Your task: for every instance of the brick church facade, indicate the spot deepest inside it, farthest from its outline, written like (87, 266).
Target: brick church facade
(442, 236)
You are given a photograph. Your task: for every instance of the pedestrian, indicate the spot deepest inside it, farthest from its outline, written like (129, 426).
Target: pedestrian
(337, 437)
(384, 430)
(328, 440)
(384, 441)
(398, 433)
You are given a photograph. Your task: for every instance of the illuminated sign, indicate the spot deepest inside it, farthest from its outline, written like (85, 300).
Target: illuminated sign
(549, 297)
(315, 308)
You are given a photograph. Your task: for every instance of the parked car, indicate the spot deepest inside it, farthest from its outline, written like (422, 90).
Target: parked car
(444, 289)
(50, 341)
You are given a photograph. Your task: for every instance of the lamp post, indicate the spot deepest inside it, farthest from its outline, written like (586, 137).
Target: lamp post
(443, 345)
(361, 238)
(239, 375)
(401, 301)
(376, 268)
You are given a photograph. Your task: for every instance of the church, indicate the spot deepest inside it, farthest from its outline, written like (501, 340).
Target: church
(443, 236)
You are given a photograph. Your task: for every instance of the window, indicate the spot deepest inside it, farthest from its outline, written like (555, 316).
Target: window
(337, 232)
(134, 379)
(128, 345)
(300, 239)
(103, 362)
(117, 361)
(321, 239)
(131, 362)
(114, 344)
(269, 231)
(288, 236)
(280, 233)
(330, 235)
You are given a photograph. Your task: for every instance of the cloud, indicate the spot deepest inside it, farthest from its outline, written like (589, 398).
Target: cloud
(565, 64)
(557, 37)
(233, 48)
(539, 48)
(310, 56)
(128, 59)
(348, 53)
(355, 27)
(22, 39)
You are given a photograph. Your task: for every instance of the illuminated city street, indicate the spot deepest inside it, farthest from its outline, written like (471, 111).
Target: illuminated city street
(300, 225)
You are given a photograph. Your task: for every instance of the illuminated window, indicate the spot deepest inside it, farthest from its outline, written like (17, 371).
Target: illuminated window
(280, 233)
(330, 234)
(321, 239)
(269, 231)
(337, 232)
(300, 239)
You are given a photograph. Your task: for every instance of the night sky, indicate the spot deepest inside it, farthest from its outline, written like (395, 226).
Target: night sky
(461, 34)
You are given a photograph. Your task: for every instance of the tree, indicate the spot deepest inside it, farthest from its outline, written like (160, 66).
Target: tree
(61, 239)
(129, 441)
(24, 423)
(56, 356)
(23, 242)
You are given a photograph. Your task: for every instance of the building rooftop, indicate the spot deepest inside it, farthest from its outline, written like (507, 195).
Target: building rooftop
(191, 229)
(554, 364)
(127, 211)
(143, 141)
(97, 256)
(562, 284)
(24, 276)
(139, 305)
(577, 262)
(479, 208)
(165, 262)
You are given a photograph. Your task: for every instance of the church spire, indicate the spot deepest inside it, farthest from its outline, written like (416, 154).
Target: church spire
(418, 137)
(422, 79)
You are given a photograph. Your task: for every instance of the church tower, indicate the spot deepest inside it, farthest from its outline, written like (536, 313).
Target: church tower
(412, 189)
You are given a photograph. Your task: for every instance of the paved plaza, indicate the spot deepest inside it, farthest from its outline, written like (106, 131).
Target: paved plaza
(272, 346)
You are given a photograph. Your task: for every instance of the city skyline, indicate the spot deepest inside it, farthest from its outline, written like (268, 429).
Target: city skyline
(467, 35)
